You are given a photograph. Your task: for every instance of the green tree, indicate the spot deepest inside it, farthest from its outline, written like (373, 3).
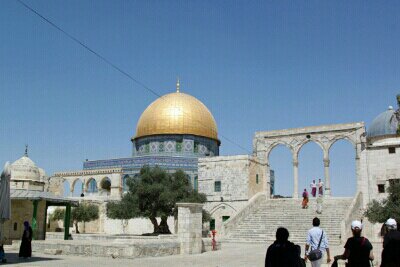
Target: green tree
(154, 194)
(84, 213)
(380, 211)
(57, 215)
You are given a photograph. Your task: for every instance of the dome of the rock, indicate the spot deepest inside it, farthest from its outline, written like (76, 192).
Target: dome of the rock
(177, 113)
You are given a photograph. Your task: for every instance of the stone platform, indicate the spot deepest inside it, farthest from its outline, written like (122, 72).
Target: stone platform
(233, 255)
(115, 246)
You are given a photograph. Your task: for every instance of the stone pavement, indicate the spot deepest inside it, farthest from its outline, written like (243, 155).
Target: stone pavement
(231, 255)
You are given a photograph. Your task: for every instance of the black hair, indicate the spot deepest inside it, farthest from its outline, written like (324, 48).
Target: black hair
(315, 222)
(282, 234)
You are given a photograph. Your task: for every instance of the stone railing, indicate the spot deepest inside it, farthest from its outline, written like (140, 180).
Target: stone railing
(251, 205)
(353, 213)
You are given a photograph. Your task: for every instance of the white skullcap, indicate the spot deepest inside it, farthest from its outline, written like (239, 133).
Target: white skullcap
(391, 222)
(356, 224)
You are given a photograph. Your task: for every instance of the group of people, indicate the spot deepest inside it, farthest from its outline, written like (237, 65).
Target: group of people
(25, 250)
(357, 250)
(314, 187)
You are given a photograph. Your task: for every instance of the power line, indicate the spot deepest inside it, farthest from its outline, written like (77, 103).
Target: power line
(114, 66)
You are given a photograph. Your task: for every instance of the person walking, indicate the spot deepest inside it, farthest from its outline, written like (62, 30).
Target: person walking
(319, 204)
(391, 245)
(304, 203)
(358, 249)
(317, 240)
(313, 186)
(25, 249)
(283, 253)
(320, 187)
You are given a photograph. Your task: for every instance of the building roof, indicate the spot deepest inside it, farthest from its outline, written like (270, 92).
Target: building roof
(20, 194)
(177, 113)
(384, 124)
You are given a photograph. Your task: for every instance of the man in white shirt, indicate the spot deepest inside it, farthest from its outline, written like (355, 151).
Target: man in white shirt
(313, 237)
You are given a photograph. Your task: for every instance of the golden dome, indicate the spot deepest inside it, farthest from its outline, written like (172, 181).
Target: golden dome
(177, 113)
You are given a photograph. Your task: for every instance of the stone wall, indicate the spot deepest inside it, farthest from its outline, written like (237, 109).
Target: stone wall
(241, 177)
(136, 226)
(22, 210)
(381, 165)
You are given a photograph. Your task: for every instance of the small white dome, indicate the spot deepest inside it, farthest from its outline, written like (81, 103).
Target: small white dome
(25, 169)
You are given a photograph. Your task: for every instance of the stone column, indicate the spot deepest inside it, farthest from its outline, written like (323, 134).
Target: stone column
(327, 178)
(189, 227)
(296, 177)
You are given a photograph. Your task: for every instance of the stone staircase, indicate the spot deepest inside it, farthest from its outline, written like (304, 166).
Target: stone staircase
(261, 224)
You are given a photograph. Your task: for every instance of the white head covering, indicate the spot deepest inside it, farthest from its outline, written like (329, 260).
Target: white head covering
(356, 224)
(391, 223)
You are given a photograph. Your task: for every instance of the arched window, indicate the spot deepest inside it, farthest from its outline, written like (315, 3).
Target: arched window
(15, 226)
(124, 183)
(92, 186)
(105, 185)
(196, 183)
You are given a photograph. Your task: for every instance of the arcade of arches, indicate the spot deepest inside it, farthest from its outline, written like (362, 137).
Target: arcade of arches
(324, 136)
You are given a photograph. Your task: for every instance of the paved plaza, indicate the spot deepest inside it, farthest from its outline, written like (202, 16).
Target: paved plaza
(232, 255)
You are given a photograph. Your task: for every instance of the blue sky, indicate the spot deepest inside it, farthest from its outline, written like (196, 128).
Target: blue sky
(257, 65)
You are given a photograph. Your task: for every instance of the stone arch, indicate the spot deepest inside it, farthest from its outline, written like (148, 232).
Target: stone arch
(324, 136)
(67, 188)
(221, 206)
(338, 138)
(105, 185)
(74, 181)
(278, 186)
(274, 145)
(77, 187)
(91, 185)
(306, 141)
(342, 160)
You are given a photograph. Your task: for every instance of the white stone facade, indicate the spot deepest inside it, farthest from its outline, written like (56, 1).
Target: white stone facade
(382, 165)
(240, 178)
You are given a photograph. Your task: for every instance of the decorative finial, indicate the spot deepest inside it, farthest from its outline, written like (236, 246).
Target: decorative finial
(177, 85)
(26, 150)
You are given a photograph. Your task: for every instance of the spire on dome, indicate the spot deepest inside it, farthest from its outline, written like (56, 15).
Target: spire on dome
(177, 85)
(26, 151)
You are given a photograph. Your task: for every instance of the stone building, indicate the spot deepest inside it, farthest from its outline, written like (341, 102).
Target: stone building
(30, 199)
(383, 153)
(238, 188)
(173, 132)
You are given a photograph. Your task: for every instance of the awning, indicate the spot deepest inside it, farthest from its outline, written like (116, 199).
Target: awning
(21, 194)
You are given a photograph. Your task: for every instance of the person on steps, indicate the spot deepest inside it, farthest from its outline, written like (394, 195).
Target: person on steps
(304, 204)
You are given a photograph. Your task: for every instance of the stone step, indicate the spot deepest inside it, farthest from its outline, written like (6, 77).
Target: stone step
(261, 224)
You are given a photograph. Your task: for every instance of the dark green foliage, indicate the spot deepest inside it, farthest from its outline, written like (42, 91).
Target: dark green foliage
(57, 215)
(154, 194)
(380, 211)
(84, 213)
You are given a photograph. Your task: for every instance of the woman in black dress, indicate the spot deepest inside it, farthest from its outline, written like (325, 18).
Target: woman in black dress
(25, 250)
